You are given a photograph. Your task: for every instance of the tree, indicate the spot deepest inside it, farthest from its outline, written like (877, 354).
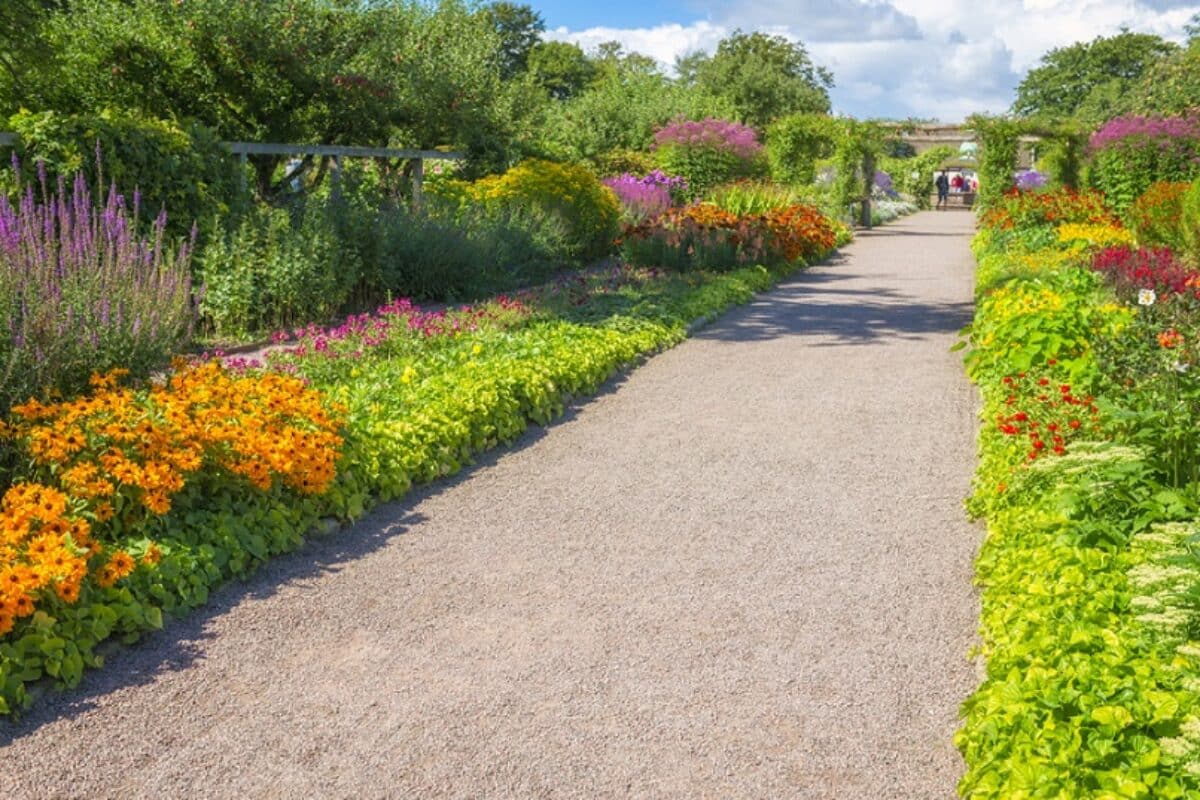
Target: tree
(764, 77)
(329, 71)
(1171, 86)
(22, 46)
(561, 68)
(1084, 79)
(520, 29)
(627, 99)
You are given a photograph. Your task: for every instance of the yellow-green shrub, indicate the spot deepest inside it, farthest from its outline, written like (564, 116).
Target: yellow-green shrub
(589, 209)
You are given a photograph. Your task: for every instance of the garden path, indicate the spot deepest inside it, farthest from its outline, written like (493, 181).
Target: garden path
(742, 571)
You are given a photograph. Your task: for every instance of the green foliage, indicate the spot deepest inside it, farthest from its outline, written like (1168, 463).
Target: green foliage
(1189, 228)
(1087, 79)
(913, 176)
(182, 169)
(407, 74)
(1171, 86)
(705, 166)
(588, 210)
(759, 197)
(858, 147)
(999, 138)
(520, 30)
(796, 142)
(561, 68)
(620, 162)
(22, 47)
(764, 77)
(1062, 159)
(1156, 218)
(626, 101)
(1089, 576)
(1126, 170)
(470, 252)
(277, 268)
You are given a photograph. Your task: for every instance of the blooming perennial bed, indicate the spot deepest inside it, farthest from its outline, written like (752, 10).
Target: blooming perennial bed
(1082, 346)
(133, 501)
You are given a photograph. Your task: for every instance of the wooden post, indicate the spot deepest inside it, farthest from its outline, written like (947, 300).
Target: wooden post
(418, 184)
(337, 177)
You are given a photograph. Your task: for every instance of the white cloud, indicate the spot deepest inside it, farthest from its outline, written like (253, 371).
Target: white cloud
(929, 58)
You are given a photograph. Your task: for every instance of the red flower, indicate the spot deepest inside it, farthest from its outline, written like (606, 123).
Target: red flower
(1170, 338)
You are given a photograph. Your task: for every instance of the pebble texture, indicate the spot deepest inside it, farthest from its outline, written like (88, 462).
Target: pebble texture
(743, 571)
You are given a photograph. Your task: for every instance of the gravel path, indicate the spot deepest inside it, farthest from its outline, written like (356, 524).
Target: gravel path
(742, 572)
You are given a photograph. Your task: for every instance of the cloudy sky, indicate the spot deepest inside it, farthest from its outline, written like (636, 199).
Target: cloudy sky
(943, 59)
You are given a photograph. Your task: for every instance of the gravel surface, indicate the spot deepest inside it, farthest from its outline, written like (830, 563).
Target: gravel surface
(741, 572)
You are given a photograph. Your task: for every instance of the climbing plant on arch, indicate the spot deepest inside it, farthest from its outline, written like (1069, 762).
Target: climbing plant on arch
(859, 145)
(1000, 140)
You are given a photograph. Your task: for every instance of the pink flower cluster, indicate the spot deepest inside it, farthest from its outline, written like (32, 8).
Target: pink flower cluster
(360, 332)
(1167, 132)
(742, 140)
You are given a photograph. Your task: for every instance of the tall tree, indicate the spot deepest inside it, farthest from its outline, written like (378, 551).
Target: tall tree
(562, 68)
(22, 46)
(763, 76)
(520, 29)
(1084, 78)
(1171, 86)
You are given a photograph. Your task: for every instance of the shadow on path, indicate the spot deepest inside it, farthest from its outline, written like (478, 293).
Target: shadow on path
(815, 305)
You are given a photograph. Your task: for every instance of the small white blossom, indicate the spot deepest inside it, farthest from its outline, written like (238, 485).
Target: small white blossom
(1146, 297)
(1180, 367)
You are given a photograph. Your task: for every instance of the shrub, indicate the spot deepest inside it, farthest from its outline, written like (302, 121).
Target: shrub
(589, 211)
(1189, 229)
(1130, 153)
(706, 237)
(796, 143)
(1157, 216)
(81, 289)
(277, 267)
(430, 255)
(620, 162)
(182, 168)
(708, 152)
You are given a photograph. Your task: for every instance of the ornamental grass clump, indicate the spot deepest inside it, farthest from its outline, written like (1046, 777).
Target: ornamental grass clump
(83, 289)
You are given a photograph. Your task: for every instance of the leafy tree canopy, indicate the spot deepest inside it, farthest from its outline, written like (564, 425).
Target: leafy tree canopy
(562, 68)
(520, 30)
(1088, 79)
(332, 71)
(763, 76)
(1171, 86)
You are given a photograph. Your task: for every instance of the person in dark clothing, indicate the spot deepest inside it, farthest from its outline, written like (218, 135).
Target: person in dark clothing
(943, 189)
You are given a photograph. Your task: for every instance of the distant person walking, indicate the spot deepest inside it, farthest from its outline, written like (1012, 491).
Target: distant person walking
(943, 189)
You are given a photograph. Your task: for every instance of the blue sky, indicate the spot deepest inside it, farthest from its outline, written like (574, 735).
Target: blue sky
(941, 59)
(627, 13)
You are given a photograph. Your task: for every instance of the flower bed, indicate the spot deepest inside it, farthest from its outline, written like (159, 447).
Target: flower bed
(1082, 347)
(139, 500)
